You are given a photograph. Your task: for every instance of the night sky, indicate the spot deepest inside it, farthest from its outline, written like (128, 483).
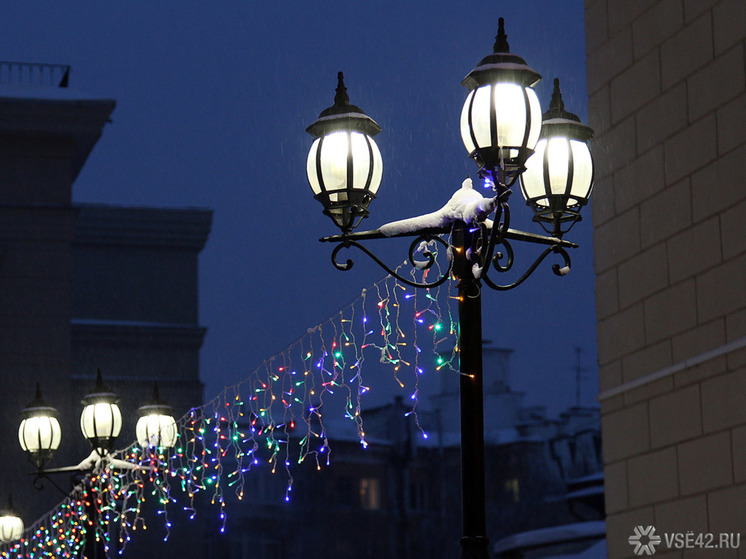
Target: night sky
(213, 99)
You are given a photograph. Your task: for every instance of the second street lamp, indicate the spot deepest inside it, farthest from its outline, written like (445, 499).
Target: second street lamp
(500, 127)
(39, 435)
(156, 426)
(559, 176)
(101, 418)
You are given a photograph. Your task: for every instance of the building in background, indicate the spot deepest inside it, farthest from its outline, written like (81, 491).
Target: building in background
(85, 287)
(667, 86)
(400, 497)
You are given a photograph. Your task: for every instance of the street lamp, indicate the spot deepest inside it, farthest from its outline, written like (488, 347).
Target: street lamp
(100, 422)
(39, 433)
(503, 132)
(559, 176)
(156, 427)
(11, 525)
(101, 418)
(344, 165)
(501, 117)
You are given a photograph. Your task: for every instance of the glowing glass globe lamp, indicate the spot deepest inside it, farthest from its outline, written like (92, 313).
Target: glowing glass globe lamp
(501, 117)
(558, 179)
(11, 524)
(39, 433)
(101, 418)
(344, 165)
(156, 426)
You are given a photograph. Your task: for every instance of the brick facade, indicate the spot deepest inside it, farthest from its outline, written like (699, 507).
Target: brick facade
(667, 98)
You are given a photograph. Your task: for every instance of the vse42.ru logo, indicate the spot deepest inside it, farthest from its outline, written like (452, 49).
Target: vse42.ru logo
(645, 540)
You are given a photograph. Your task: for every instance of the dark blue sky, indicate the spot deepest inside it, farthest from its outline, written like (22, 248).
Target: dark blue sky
(212, 104)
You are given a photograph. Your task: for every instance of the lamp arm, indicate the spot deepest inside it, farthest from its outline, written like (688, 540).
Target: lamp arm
(560, 271)
(413, 247)
(39, 479)
(500, 226)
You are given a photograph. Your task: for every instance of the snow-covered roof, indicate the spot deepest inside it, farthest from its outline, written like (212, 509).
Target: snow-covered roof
(554, 534)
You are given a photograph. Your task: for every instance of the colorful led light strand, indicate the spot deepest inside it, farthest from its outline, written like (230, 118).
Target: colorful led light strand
(276, 417)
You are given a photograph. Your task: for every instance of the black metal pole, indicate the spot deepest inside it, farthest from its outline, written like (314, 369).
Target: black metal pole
(474, 543)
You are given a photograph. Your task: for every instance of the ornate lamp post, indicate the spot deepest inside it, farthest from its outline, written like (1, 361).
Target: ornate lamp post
(100, 422)
(503, 132)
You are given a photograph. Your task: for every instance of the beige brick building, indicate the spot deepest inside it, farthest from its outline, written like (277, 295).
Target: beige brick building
(667, 87)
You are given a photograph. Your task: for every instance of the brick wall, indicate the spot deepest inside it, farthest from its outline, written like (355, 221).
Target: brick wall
(667, 98)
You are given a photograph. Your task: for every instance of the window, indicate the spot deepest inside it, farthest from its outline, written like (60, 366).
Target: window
(370, 493)
(512, 486)
(364, 493)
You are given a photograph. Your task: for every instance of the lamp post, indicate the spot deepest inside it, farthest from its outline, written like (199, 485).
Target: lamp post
(505, 134)
(39, 435)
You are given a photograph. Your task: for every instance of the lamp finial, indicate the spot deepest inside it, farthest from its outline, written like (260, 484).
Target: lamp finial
(341, 98)
(557, 104)
(501, 40)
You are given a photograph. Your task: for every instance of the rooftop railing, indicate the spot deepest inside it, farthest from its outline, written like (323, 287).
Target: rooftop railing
(55, 75)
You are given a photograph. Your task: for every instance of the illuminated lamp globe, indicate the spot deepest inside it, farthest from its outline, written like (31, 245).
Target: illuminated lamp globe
(501, 117)
(559, 176)
(39, 433)
(156, 426)
(11, 524)
(344, 165)
(101, 418)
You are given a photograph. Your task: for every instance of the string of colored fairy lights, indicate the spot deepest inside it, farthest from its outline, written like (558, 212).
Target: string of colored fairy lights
(276, 417)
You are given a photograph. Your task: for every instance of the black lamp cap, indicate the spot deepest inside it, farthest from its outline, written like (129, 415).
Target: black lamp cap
(100, 393)
(343, 116)
(558, 121)
(9, 509)
(501, 65)
(38, 407)
(156, 405)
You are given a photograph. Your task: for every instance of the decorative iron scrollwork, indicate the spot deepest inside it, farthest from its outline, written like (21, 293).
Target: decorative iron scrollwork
(415, 247)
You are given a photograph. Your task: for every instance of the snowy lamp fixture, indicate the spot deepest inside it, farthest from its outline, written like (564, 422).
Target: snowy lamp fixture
(11, 525)
(559, 176)
(39, 433)
(101, 419)
(344, 165)
(501, 123)
(501, 117)
(156, 427)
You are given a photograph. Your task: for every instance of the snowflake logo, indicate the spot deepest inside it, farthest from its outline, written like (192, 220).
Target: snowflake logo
(641, 536)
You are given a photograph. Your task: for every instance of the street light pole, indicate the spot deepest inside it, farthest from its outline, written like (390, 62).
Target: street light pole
(508, 138)
(474, 541)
